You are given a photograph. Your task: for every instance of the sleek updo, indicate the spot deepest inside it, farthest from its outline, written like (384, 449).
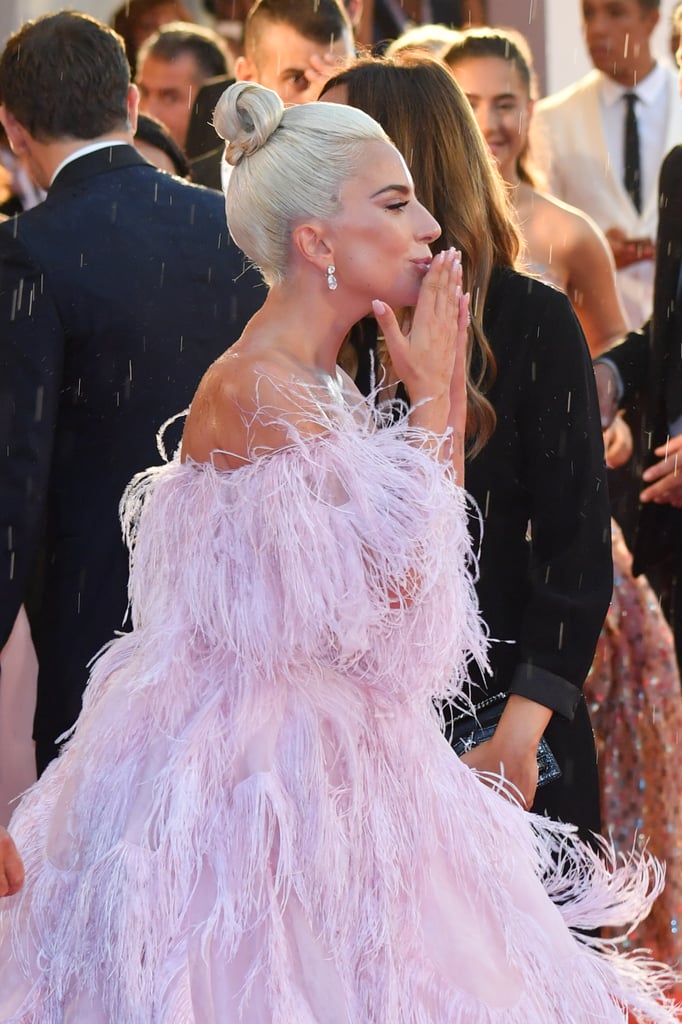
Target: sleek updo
(288, 165)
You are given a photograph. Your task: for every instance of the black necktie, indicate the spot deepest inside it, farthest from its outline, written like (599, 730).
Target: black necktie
(632, 167)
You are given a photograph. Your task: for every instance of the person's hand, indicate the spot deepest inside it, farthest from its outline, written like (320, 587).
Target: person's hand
(607, 393)
(425, 355)
(512, 750)
(320, 69)
(665, 477)
(618, 443)
(627, 251)
(11, 866)
(514, 776)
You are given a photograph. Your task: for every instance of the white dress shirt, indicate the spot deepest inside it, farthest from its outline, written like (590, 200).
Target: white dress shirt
(651, 112)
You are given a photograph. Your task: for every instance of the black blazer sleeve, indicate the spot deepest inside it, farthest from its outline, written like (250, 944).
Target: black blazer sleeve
(546, 568)
(631, 359)
(570, 568)
(31, 355)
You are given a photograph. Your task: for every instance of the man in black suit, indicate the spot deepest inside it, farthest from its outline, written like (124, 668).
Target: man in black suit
(116, 294)
(648, 366)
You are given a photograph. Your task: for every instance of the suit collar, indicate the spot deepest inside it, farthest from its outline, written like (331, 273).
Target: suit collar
(112, 158)
(594, 141)
(653, 88)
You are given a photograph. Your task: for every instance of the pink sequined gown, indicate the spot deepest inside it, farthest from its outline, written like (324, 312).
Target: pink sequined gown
(635, 701)
(257, 819)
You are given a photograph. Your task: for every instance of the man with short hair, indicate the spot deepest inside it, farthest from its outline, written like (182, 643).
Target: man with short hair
(290, 46)
(172, 65)
(605, 137)
(116, 293)
(293, 46)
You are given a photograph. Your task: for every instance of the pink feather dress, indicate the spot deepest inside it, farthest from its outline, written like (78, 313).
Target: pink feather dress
(257, 819)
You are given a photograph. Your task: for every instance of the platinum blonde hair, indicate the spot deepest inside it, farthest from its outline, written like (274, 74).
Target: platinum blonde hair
(288, 165)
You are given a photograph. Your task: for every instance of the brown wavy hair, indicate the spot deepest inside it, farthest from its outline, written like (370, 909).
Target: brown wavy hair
(427, 116)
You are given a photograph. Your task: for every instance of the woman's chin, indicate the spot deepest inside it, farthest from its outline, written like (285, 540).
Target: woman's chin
(400, 298)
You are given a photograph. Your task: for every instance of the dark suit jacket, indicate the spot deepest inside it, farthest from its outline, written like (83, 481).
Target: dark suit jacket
(201, 135)
(116, 294)
(205, 170)
(646, 359)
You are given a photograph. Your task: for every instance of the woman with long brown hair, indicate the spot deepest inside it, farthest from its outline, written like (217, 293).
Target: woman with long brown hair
(535, 464)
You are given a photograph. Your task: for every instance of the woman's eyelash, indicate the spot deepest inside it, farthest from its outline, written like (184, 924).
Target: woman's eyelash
(397, 206)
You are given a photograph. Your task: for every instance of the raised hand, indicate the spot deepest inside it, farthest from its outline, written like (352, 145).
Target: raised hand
(430, 355)
(321, 67)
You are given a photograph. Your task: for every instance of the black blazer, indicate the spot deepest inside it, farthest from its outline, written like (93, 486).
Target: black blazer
(201, 135)
(116, 294)
(545, 569)
(646, 359)
(545, 564)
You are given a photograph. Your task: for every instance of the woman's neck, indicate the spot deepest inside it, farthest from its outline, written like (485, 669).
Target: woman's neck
(310, 330)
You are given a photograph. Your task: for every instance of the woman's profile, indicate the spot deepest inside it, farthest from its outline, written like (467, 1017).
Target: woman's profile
(257, 818)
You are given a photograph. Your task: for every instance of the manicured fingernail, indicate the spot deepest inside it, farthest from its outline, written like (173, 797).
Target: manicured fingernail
(378, 307)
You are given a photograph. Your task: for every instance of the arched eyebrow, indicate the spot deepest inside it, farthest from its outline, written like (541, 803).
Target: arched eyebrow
(402, 189)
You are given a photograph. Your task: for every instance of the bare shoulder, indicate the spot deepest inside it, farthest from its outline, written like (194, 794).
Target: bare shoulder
(578, 227)
(224, 405)
(249, 401)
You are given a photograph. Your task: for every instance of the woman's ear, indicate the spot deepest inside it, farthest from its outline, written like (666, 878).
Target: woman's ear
(311, 243)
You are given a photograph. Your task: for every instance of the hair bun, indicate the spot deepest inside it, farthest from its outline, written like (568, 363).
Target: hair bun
(245, 116)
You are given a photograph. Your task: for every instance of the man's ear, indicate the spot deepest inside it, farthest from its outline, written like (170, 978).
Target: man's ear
(16, 133)
(312, 244)
(245, 69)
(133, 103)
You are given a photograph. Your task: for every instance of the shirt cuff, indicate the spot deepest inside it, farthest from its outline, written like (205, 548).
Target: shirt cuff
(618, 380)
(546, 688)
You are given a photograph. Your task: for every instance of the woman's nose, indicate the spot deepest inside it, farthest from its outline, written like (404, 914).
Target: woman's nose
(429, 229)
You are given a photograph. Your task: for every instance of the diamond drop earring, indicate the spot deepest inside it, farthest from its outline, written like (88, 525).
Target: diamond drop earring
(331, 280)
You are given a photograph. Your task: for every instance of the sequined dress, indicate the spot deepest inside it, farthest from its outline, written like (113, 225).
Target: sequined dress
(635, 702)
